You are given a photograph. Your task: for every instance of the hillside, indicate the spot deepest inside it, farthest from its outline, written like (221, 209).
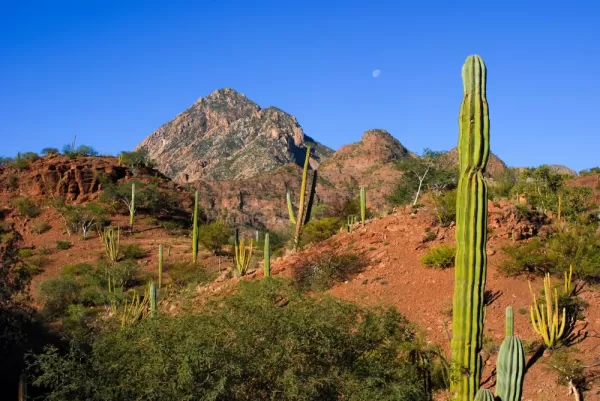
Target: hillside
(226, 136)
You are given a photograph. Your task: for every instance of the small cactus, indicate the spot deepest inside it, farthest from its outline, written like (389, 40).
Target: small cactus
(195, 230)
(363, 205)
(511, 364)
(243, 254)
(267, 257)
(152, 299)
(545, 318)
(160, 265)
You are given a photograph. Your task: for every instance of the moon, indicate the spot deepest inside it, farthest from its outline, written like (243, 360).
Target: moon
(376, 73)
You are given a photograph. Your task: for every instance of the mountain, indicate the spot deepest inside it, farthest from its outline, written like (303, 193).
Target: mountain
(226, 136)
(494, 169)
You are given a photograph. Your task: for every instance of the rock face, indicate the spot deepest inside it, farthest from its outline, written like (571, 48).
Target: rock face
(369, 163)
(227, 136)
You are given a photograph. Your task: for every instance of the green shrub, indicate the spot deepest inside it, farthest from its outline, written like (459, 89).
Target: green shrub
(30, 156)
(63, 245)
(27, 207)
(40, 227)
(26, 252)
(133, 251)
(264, 341)
(445, 207)
(214, 235)
(319, 230)
(12, 182)
(20, 163)
(321, 271)
(36, 264)
(50, 151)
(183, 274)
(576, 245)
(441, 257)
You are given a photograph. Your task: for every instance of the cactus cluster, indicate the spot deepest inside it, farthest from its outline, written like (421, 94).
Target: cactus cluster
(545, 318)
(243, 254)
(304, 208)
(110, 240)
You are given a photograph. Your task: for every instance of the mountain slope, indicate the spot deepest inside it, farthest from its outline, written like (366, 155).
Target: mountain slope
(227, 136)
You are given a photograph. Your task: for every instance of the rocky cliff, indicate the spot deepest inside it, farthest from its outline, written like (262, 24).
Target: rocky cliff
(226, 136)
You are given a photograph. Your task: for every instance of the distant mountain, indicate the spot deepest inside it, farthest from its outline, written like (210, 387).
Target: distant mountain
(226, 136)
(494, 169)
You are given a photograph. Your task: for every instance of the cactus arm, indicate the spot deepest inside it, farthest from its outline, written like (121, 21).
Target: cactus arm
(311, 197)
(471, 234)
(290, 208)
(300, 216)
(195, 230)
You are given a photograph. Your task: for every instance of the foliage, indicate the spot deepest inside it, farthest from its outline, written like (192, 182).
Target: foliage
(149, 198)
(590, 171)
(20, 163)
(445, 207)
(82, 150)
(542, 188)
(321, 271)
(419, 173)
(214, 235)
(576, 244)
(83, 218)
(14, 276)
(188, 274)
(27, 207)
(319, 230)
(501, 187)
(135, 159)
(133, 252)
(263, 342)
(40, 227)
(63, 245)
(440, 257)
(50, 151)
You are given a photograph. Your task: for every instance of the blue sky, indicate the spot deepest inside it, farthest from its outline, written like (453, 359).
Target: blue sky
(111, 72)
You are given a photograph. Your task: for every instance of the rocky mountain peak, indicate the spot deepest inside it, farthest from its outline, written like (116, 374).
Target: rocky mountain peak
(225, 136)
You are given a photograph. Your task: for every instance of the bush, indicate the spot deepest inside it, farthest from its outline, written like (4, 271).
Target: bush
(440, 257)
(263, 341)
(63, 245)
(27, 207)
(133, 251)
(30, 156)
(214, 235)
(183, 274)
(445, 207)
(82, 150)
(321, 271)
(20, 163)
(319, 230)
(40, 227)
(577, 245)
(50, 151)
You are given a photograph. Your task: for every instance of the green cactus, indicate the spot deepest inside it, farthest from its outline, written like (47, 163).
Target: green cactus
(485, 395)
(110, 241)
(304, 210)
(195, 230)
(288, 199)
(510, 366)
(363, 205)
(132, 208)
(152, 299)
(267, 257)
(243, 254)
(350, 221)
(160, 265)
(471, 233)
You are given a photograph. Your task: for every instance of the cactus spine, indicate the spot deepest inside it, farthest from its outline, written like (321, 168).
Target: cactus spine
(471, 233)
(132, 208)
(267, 257)
(195, 230)
(544, 318)
(363, 205)
(485, 395)
(160, 265)
(511, 364)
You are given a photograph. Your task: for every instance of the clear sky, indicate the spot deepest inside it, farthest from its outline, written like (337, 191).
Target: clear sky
(111, 72)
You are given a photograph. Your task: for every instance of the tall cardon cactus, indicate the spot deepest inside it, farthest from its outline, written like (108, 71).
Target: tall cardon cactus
(267, 256)
(510, 366)
(363, 205)
(132, 207)
(195, 230)
(304, 208)
(471, 233)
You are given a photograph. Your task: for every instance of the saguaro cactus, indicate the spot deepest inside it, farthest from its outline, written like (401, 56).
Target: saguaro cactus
(160, 265)
(152, 298)
(304, 215)
(363, 205)
(485, 395)
(288, 199)
(195, 230)
(267, 257)
(471, 233)
(132, 208)
(511, 364)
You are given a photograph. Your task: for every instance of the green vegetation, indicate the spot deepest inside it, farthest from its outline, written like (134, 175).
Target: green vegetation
(321, 271)
(302, 349)
(319, 230)
(195, 230)
(440, 257)
(27, 207)
(40, 227)
(133, 252)
(214, 236)
(304, 210)
(83, 150)
(63, 245)
(135, 160)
